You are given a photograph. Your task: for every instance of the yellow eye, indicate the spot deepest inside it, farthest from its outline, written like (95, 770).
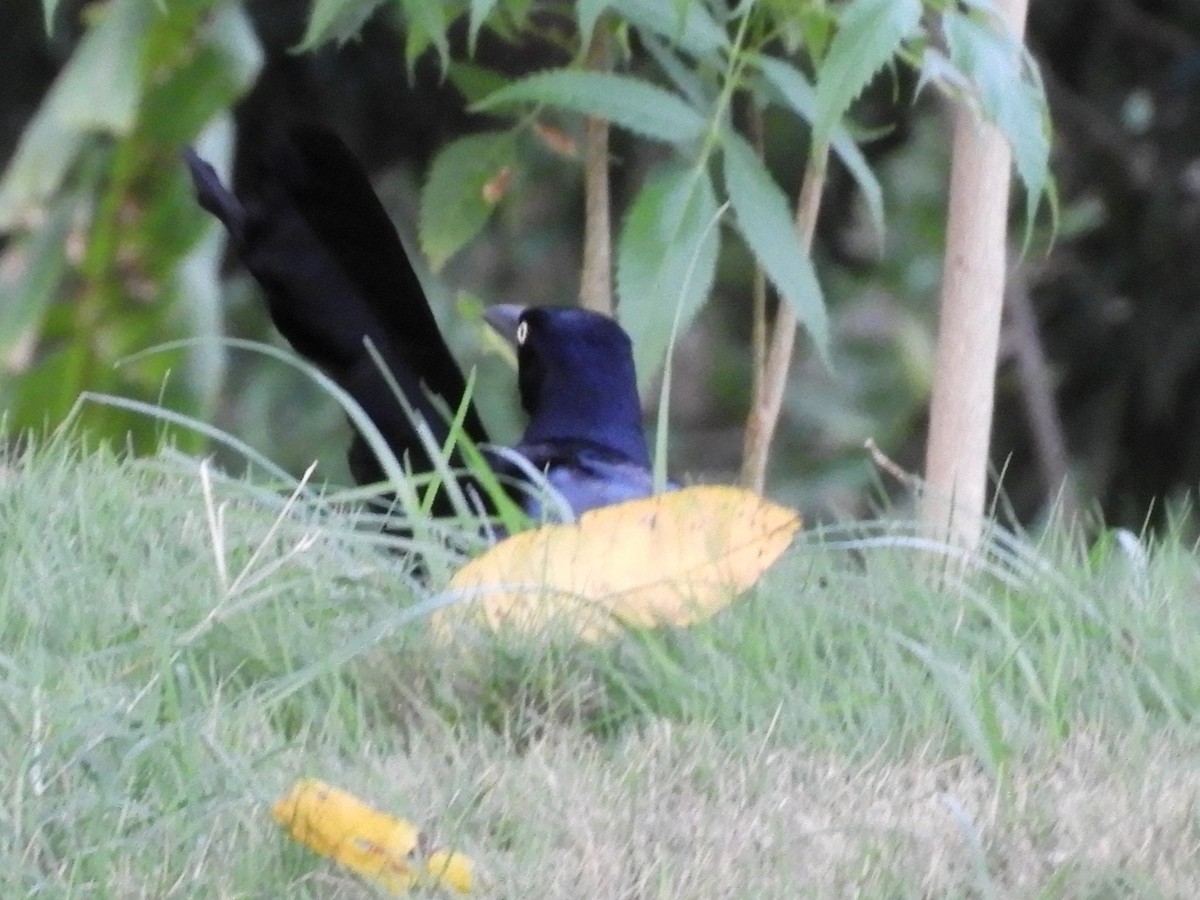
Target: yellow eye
(522, 333)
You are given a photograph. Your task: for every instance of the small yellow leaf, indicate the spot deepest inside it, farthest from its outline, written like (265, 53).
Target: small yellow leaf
(388, 850)
(673, 559)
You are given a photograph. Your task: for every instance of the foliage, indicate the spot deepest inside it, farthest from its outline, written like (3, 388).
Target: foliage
(94, 172)
(687, 69)
(105, 242)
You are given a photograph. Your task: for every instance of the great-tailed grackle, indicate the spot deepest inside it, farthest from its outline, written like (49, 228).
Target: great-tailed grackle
(314, 235)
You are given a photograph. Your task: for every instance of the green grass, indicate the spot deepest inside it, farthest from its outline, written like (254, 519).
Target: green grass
(177, 648)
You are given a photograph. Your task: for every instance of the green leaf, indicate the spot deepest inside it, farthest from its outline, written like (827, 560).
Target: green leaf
(801, 97)
(44, 154)
(48, 389)
(335, 20)
(816, 25)
(936, 68)
(687, 80)
(232, 34)
(480, 10)
(765, 222)
(42, 263)
(1009, 94)
(103, 82)
(98, 91)
(869, 33)
(427, 25)
(666, 261)
(475, 82)
(49, 8)
(587, 13)
(688, 27)
(205, 82)
(453, 203)
(627, 102)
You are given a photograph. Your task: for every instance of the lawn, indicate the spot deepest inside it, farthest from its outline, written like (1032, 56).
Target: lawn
(178, 648)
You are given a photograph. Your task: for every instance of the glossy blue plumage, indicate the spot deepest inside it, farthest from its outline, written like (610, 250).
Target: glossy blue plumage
(312, 232)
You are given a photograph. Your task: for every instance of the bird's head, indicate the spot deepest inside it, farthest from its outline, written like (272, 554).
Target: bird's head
(576, 376)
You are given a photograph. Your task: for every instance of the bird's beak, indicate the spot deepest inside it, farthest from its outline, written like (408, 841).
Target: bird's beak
(504, 318)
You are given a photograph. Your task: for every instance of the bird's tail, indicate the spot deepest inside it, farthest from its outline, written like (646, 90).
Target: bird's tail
(214, 197)
(335, 274)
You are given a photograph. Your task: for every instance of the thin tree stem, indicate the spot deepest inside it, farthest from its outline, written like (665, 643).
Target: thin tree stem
(764, 416)
(758, 328)
(595, 283)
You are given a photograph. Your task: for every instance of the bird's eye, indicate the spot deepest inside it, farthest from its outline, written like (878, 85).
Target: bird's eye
(522, 333)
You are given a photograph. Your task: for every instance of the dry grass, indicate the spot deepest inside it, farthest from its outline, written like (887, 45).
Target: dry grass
(677, 812)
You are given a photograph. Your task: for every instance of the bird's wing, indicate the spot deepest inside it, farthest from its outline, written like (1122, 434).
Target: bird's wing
(586, 476)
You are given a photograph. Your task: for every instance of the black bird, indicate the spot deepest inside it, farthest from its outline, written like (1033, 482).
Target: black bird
(312, 232)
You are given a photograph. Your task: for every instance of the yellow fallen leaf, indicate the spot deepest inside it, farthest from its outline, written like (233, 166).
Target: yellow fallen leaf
(673, 559)
(388, 850)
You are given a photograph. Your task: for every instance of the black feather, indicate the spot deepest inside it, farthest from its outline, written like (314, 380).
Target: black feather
(314, 235)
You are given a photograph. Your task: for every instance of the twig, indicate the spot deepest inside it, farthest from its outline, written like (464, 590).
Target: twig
(886, 464)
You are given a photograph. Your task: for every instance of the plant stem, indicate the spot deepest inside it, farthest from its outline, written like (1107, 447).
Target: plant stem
(758, 326)
(595, 283)
(764, 415)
